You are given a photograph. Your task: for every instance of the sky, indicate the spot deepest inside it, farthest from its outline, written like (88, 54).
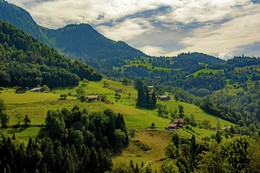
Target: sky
(223, 28)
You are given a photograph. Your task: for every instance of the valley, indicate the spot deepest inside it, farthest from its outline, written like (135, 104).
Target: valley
(73, 100)
(139, 120)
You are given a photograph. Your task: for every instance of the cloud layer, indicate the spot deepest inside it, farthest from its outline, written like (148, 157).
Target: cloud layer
(222, 28)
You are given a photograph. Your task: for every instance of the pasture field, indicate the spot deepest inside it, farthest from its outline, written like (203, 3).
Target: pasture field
(206, 70)
(199, 114)
(36, 105)
(144, 63)
(156, 140)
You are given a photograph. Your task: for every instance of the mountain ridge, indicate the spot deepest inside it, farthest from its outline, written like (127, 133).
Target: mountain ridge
(21, 19)
(81, 41)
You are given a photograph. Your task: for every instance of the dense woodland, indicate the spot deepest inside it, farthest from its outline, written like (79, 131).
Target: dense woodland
(78, 142)
(236, 154)
(25, 62)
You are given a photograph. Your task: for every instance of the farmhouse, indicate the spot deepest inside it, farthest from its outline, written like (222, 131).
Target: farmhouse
(176, 124)
(38, 89)
(91, 98)
(164, 97)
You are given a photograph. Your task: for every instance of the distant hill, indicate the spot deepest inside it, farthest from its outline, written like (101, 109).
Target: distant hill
(198, 58)
(84, 42)
(26, 62)
(22, 20)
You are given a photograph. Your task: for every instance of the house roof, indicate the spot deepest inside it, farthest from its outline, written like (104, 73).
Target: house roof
(36, 89)
(164, 96)
(92, 96)
(172, 125)
(178, 120)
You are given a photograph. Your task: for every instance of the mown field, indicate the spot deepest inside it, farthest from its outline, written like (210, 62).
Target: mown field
(139, 120)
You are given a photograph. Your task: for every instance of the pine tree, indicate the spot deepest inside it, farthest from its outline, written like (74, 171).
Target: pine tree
(218, 137)
(105, 162)
(49, 157)
(140, 97)
(26, 120)
(68, 165)
(85, 160)
(131, 164)
(154, 99)
(93, 160)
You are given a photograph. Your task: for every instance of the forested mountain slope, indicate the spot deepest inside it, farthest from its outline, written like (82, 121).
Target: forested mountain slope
(85, 42)
(21, 19)
(26, 62)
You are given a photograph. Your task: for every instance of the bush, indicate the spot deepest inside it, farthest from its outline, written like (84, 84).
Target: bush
(141, 145)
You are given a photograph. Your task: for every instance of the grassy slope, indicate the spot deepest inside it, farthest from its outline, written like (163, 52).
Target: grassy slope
(144, 63)
(206, 70)
(156, 140)
(36, 105)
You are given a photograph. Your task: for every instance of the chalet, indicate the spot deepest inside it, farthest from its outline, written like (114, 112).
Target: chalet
(38, 89)
(91, 98)
(176, 124)
(164, 97)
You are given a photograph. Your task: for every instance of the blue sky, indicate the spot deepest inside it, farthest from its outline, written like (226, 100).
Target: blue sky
(222, 28)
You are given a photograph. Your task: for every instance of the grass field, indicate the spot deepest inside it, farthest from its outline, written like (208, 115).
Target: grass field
(157, 140)
(144, 63)
(36, 105)
(199, 114)
(206, 70)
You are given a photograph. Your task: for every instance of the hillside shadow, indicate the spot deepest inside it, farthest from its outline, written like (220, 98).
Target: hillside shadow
(17, 129)
(43, 133)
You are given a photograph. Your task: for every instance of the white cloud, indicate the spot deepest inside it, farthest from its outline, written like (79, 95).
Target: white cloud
(153, 50)
(56, 13)
(218, 27)
(187, 11)
(225, 39)
(127, 30)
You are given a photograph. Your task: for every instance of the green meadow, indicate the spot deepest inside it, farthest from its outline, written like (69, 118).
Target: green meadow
(207, 70)
(144, 63)
(139, 120)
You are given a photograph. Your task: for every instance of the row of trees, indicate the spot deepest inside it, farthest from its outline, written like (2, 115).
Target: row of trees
(47, 156)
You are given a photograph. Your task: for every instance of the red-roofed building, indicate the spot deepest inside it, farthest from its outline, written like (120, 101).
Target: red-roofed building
(176, 124)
